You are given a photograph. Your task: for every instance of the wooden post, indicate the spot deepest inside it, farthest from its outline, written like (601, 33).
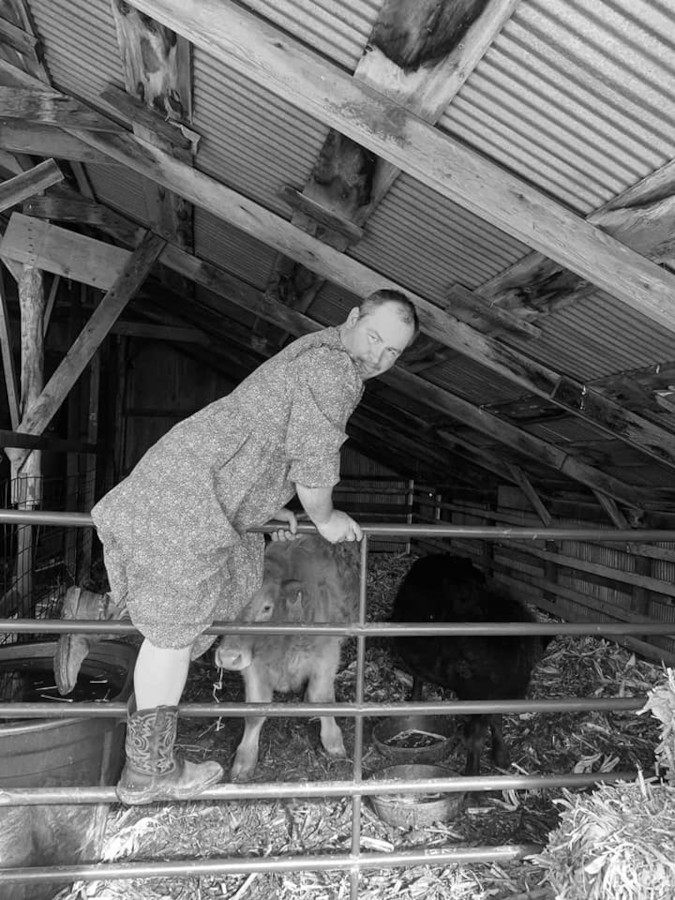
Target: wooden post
(89, 473)
(26, 467)
(72, 495)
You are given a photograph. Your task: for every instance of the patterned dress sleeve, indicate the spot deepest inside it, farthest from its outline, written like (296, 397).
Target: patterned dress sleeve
(325, 392)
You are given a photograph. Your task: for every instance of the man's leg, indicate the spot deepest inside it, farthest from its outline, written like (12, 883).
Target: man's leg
(153, 771)
(160, 675)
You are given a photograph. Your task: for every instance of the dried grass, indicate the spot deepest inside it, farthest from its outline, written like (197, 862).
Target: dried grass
(290, 751)
(619, 842)
(616, 844)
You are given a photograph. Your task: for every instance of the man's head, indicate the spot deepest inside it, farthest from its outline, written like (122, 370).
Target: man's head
(376, 333)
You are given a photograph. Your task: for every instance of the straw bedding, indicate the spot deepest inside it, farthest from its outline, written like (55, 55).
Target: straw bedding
(290, 751)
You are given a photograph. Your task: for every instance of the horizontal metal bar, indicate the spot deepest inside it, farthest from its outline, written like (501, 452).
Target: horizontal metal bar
(369, 629)
(201, 867)
(95, 710)
(380, 529)
(82, 795)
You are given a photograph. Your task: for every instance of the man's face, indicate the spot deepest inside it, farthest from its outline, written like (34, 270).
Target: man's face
(376, 340)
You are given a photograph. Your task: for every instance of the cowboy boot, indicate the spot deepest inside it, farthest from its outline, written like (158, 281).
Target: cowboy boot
(152, 770)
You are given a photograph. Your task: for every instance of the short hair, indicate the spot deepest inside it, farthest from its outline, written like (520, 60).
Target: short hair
(405, 306)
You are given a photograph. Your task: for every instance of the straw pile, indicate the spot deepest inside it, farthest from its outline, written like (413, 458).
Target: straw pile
(593, 741)
(618, 843)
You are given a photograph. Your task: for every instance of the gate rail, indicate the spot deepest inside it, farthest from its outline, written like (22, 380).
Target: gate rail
(356, 789)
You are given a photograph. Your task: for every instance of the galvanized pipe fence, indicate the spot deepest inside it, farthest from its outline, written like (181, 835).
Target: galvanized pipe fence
(355, 861)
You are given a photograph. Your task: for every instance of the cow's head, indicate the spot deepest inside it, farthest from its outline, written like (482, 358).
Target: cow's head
(275, 602)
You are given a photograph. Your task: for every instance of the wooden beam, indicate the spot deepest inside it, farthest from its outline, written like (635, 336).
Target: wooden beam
(336, 267)
(19, 188)
(429, 87)
(54, 249)
(20, 40)
(505, 433)
(348, 182)
(47, 141)
(527, 488)
(158, 75)
(17, 14)
(343, 270)
(304, 204)
(71, 367)
(642, 216)
(161, 333)
(348, 272)
(303, 78)
(44, 106)
(617, 517)
(480, 314)
(45, 442)
(68, 206)
(598, 410)
(137, 113)
(8, 365)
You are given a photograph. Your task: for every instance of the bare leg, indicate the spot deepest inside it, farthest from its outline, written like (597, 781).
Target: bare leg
(160, 675)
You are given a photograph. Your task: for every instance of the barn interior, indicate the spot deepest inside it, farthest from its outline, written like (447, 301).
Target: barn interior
(188, 185)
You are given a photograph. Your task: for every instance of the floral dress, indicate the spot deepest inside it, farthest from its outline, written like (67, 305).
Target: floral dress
(174, 531)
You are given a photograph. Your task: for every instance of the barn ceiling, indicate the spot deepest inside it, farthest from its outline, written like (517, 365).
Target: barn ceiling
(254, 168)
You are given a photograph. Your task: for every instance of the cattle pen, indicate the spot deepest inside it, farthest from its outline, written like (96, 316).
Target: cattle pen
(357, 788)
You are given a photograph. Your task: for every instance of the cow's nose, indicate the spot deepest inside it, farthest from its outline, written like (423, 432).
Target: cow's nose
(232, 660)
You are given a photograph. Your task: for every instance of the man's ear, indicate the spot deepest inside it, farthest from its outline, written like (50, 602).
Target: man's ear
(353, 316)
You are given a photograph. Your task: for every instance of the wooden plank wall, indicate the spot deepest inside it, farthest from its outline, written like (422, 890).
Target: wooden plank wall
(579, 581)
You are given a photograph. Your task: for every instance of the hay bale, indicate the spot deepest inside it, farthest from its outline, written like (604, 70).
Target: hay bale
(618, 843)
(661, 704)
(615, 844)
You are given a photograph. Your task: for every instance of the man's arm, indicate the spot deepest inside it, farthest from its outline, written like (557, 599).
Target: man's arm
(331, 523)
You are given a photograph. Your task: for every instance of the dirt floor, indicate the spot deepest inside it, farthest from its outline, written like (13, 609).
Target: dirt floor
(290, 751)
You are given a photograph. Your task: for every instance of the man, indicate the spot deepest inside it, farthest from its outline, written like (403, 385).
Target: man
(175, 531)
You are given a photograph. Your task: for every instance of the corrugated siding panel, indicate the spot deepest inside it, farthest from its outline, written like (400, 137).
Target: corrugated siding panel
(598, 336)
(232, 250)
(252, 141)
(120, 188)
(473, 382)
(338, 30)
(577, 97)
(427, 243)
(80, 45)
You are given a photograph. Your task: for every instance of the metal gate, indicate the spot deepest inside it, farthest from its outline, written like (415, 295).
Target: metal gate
(357, 860)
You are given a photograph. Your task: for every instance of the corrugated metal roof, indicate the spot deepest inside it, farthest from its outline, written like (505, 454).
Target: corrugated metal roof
(427, 243)
(473, 382)
(80, 45)
(232, 250)
(339, 29)
(598, 336)
(120, 188)
(577, 96)
(251, 140)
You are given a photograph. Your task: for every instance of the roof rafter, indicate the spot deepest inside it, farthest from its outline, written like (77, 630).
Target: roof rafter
(286, 68)
(275, 231)
(437, 398)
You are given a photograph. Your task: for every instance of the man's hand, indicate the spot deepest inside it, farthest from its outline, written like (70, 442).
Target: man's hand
(339, 527)
(289, 533)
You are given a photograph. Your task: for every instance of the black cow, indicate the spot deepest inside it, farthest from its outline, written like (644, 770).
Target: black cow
(444, 588)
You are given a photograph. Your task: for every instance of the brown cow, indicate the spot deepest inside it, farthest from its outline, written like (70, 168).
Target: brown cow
(307, 580)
